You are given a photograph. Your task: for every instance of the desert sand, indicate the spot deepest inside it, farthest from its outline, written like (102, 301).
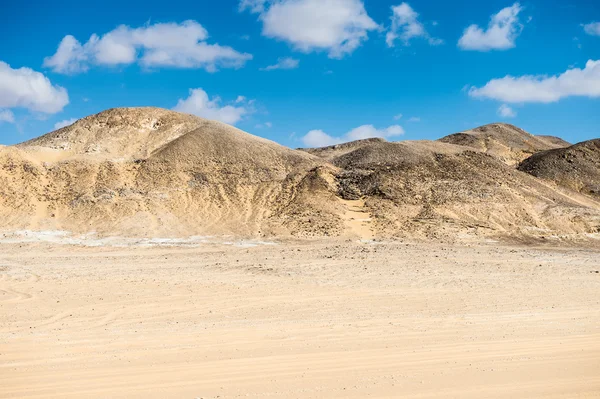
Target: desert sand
(300, 319)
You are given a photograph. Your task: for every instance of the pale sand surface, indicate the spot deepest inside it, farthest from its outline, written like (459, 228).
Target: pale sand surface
(299, 320)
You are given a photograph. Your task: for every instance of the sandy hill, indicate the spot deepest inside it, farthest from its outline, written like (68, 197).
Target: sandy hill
(576, 167)
(221, 152)
(148, 171)
(504, 141)
(156, 173)
(118, 133)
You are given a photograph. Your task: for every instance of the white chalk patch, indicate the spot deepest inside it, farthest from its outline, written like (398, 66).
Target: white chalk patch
(92, 239)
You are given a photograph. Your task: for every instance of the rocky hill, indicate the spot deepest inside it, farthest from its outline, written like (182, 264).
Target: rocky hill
(576, 167)
(506, 142)
(156, 173)
(435, 189)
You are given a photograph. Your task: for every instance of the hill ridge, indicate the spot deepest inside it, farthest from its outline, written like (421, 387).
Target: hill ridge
(150, 172)
(507, 142)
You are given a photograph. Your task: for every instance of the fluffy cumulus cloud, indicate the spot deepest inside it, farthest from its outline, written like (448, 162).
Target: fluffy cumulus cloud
(593, 28)
(506, 112)
(7, 116)
(335, 26)
(160, 45)
(198, 103)
(318, 138)
(543, 89)
(26, 88)
(70, 57)
(502, 31)
(66, 122)
(406, 26)
(283, 63)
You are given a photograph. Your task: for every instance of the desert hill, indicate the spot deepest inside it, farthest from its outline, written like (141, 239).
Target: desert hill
(330, 152)
(555, 141)
(222, 152)
(152, 172)
(576, 167)
(147, 171)
(118, 133)
(504, 141)
(435, 189)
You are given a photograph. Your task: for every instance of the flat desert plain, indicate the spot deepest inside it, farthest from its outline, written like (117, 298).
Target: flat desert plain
(319, 319)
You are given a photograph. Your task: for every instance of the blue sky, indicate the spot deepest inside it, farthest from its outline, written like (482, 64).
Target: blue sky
(306, 72)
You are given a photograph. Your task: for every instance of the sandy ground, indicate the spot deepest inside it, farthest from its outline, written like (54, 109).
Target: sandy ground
(299, 320)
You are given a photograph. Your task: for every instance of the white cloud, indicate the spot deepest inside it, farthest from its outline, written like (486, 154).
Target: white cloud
(369, 131)
(160, 45)
(406, 26)
(335, 26)
(263, 125)
(283, 63)
(592, 28)
(255, 6)
(506, 112)
(198, 103)
(318, 138)
(7, 116)
(70, 57)
(414, 119)
(502, 31)
(66, 122)
(543, 89)
(398, 117)
(26, 88)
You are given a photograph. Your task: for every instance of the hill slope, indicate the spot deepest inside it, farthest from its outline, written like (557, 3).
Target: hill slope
(147, 171)
(221, 152)
(576, 167)
(434, 189)
(506, 142)
(118, 133)
(155, 173)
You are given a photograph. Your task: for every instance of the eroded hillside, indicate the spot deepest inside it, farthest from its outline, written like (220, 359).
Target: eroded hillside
(152, 172)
